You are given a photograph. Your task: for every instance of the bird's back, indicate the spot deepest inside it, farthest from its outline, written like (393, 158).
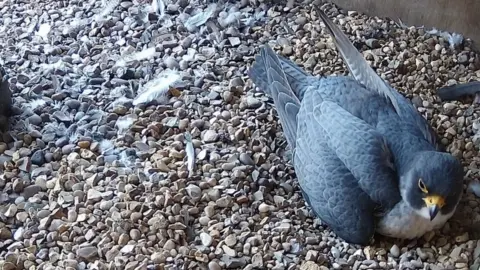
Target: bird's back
(345, 91)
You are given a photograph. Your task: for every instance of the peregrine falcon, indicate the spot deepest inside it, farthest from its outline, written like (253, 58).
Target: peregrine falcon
(365, 159)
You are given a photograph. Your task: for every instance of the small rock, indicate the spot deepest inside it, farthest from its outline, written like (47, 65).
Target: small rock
(253, 103)
(94, 195)
(210, 136)
(87, 252)
(212, 265)
(31, 190)
(395, 251)
(11, 210)
(206, 239)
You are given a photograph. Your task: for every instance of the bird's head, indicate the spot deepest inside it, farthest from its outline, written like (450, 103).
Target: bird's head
(434, 184)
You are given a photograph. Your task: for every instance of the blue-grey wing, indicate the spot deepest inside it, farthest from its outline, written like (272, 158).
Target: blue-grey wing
(269, 74)
(363, 73)
(328, 186)
(362, 149)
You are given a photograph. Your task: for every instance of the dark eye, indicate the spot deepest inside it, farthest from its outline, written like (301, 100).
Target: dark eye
(422, 186)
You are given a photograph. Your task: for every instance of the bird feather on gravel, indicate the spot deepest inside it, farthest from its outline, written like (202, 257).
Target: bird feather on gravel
(190, 150)
(43, 31)
(200, 18)
(124, 123)
(158, 6)
(108, 7)
(346, 134)
(35, 104)
(158, 88)
(148, 53)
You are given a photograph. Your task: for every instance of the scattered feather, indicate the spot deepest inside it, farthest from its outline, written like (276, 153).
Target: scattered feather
(216, 34)
(80, 85)
(57, 105)
(137, 56)
(434, 31)
(73, 137)
(50, 128)
(121, 101)
(158, 6)
(75, 25)
(200, 18)
(167, 23)
(476, 131)
(190, 56)
(106, 147)
(122, 91)
(199, 72)
(33, 25)
(126, 160)
(34, 104)
(158, 88)
(232, 16)
(54, 127)
(43, 31)
(258, 16)
(474, 187)
(190, 150)
(124, 123)
(59, 65)
(27, 126)
(6, 24)
(107, 8)
(143, 12)
(401, 24)
(92, 115)
(454, 39)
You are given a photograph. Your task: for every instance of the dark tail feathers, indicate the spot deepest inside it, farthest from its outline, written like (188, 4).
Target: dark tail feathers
(294, 74)
(458, 91)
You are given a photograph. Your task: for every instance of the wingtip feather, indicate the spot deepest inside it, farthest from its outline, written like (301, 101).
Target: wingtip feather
(355, 62)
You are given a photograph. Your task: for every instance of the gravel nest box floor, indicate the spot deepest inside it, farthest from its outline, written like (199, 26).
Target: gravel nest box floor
(91, 181)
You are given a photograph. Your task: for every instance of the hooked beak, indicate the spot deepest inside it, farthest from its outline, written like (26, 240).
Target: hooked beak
(434, 204)
(433, 211)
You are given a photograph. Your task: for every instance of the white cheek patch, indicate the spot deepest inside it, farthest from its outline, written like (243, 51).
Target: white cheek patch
(424, 212)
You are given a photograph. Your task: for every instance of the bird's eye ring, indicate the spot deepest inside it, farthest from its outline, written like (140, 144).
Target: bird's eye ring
(422, 186)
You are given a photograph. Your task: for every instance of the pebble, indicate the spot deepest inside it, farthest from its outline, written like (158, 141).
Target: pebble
(206, 239)
(87, 252)
(395, 251)
(214, 266)
(253, 103)
(210, 136)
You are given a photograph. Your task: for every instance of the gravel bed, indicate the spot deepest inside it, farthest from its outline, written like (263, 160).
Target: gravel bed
(95, 178)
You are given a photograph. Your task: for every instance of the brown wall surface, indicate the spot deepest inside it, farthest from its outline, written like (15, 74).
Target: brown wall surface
(460, 16)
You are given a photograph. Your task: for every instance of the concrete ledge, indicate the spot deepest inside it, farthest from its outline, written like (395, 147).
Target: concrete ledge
(460, 16)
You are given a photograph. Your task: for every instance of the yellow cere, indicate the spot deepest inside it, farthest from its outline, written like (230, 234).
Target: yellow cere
(434, 200)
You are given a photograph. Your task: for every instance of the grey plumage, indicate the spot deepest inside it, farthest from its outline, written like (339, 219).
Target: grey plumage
(360, 147)
(458, 91)
(365, 75)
